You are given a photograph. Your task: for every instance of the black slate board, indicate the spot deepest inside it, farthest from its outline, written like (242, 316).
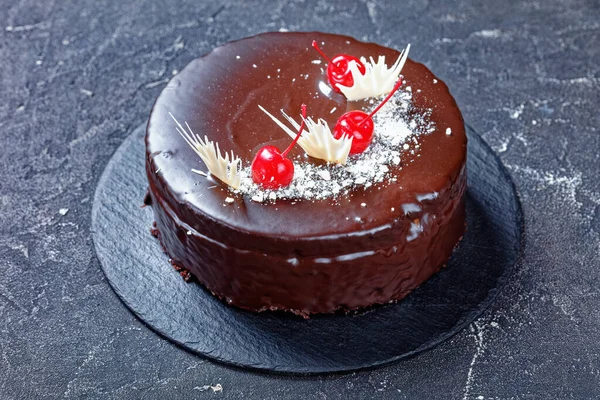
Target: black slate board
(140, 274)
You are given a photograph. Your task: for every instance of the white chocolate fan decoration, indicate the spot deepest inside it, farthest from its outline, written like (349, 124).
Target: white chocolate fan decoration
(226, 168)
(318, 141)
(377, 80)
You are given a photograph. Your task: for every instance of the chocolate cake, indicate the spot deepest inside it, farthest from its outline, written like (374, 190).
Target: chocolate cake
(339, 237)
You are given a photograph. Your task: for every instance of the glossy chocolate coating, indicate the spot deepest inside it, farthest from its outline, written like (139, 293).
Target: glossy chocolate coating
(303, 256)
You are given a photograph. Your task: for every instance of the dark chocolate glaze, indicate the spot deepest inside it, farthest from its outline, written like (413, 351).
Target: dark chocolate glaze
(302, 256)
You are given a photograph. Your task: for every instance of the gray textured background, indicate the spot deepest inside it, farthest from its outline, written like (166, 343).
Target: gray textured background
(77, 77)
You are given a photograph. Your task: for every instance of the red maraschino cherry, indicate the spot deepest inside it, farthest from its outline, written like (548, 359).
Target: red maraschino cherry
(270, 168)
(359, 125)
(338, 69)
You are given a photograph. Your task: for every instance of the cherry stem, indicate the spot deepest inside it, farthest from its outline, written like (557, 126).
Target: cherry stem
(316, 46)
(299, 133)
(389, 96)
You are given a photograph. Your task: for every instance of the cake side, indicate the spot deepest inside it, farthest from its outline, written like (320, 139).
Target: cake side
(257, 281)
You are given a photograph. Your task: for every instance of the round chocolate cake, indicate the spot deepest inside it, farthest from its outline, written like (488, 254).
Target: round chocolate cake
(340, 236)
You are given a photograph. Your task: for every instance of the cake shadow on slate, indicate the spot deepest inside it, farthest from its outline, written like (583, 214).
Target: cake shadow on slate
(357, 210)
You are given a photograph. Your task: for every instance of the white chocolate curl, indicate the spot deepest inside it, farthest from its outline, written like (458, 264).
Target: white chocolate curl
(377, 80)
(318, 142)
(226, 168)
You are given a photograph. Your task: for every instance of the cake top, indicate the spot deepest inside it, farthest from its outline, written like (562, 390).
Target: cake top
(410, 159)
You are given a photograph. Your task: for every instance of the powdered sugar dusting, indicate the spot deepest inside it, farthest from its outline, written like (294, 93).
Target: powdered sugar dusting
(395, 139)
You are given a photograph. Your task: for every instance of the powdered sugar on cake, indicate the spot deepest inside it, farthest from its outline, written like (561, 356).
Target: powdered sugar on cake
(395, 142)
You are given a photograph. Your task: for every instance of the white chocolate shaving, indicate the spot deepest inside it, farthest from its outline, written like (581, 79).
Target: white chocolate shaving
(377, 80)
(226, 168)
(318, 142)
